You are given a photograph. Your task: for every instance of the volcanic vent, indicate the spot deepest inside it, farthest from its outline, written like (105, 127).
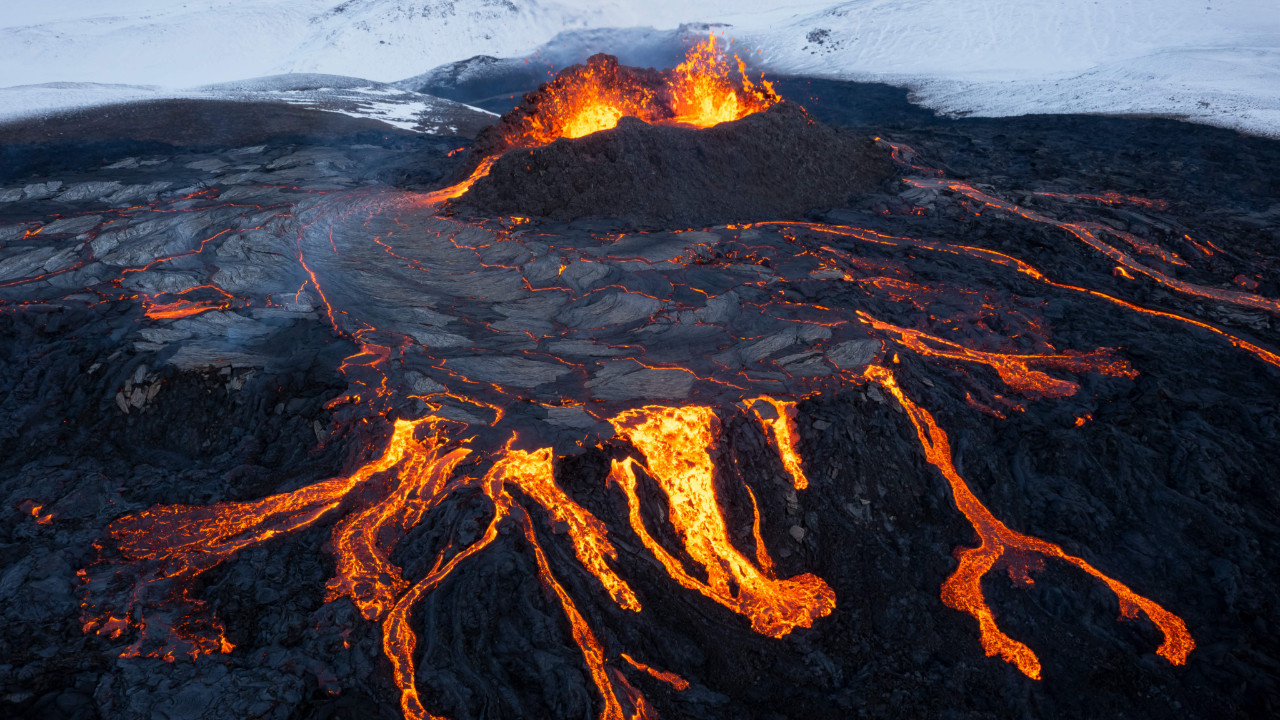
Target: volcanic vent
(696, 145)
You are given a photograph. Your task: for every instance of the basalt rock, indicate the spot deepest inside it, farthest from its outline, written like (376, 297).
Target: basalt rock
(777, 164)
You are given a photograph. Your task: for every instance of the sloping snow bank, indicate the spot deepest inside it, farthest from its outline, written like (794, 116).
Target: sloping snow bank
(1207, 60)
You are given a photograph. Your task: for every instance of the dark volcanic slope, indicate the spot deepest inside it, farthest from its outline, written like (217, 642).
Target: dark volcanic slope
(771, 165)
(190, 122)
(87, 137)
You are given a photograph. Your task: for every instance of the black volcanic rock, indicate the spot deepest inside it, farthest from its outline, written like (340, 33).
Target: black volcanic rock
(777, 164)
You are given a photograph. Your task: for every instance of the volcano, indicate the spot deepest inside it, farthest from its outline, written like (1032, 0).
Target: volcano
(778, 163)
(695, 145)
(682, 400)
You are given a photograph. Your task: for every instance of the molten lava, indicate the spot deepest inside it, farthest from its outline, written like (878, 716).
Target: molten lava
(187, 303)
(779, 420)
(1014, 370)
(963, 590)
(675, 444)
(704, 90)
(669, 678)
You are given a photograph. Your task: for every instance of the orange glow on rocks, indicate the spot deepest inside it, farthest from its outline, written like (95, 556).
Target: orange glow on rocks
(675, 444)
(1014, 370)
(963, 590)
(191, 301)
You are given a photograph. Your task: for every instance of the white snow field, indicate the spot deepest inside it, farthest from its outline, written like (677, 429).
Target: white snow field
(1213, 61)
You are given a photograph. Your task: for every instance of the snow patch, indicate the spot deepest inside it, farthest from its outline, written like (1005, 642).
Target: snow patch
(355, 97)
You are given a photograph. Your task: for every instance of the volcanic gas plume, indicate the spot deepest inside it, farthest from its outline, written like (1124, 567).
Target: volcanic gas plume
(490, 351)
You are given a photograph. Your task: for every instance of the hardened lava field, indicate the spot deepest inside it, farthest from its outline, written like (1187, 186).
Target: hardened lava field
(983, 424)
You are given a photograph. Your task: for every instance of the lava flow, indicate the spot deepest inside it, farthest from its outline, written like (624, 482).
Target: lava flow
(490, 351)
(963, 590)
(675, 443)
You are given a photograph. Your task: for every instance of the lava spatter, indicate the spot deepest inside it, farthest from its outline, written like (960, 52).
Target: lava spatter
(704, 90)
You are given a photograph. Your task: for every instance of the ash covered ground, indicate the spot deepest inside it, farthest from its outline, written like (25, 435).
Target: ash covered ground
(129, 383)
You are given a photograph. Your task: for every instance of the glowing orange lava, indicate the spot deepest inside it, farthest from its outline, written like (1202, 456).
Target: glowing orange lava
(963, 590)
(530, 471)
(702, 91)
(781, 426)
(458, 190)
(669, 678)
(1091, 234)
(590, 538)
(1014, 370)
(191, 301)
(186, 541)
(675, 444)
(363, 541)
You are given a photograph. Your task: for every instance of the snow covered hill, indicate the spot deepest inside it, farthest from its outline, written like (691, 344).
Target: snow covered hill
(1216, 61)
(151, 42)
